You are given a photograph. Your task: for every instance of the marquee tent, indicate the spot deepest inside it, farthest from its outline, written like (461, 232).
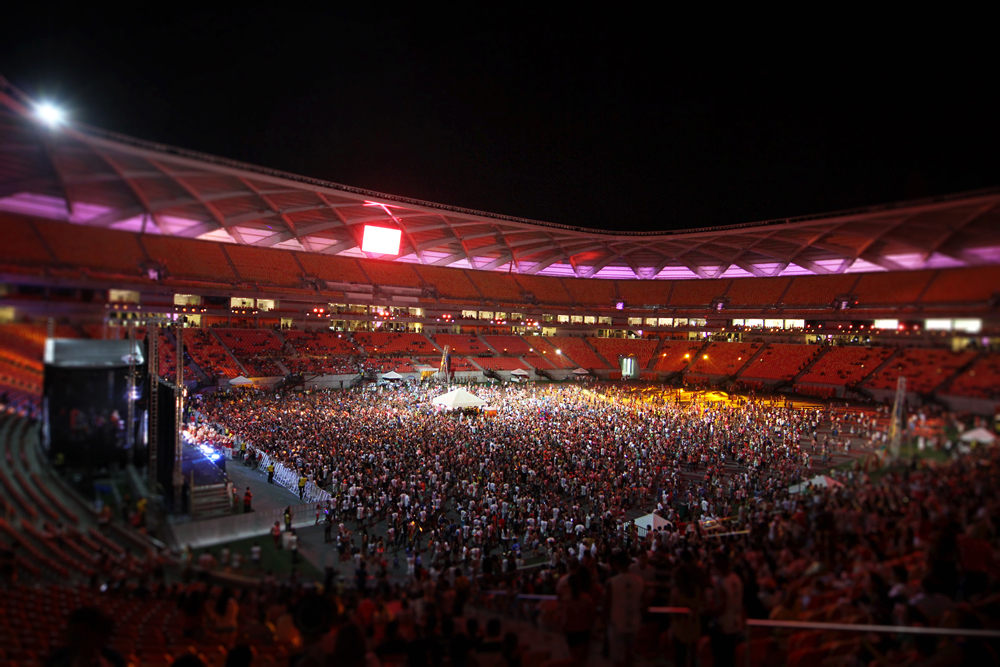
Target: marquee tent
(458, 398)
(979, 434)
(519, 371)
(392, 375)
(240, 381)
(822, 481)
(581, 371)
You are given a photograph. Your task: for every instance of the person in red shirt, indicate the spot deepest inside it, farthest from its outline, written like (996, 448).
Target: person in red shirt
(247, 498)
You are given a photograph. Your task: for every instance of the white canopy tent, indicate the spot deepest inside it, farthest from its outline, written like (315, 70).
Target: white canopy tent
(240, 381)
(650, 520)
(581, 371)
(519, 371)
(980, 435)
(822, 481)
(392, 375)
(458, 398)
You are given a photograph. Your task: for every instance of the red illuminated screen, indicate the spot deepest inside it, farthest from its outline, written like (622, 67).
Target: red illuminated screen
(380, 240)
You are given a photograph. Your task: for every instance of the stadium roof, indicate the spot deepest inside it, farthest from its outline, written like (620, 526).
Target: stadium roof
(71, 172)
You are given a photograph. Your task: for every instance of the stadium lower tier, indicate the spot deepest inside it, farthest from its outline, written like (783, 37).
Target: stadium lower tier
(215, 355)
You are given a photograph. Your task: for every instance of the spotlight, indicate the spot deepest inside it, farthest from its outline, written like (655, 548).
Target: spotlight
(50, 114)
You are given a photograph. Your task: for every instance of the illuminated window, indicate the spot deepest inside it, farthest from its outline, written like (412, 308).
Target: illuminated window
(894, 324)
(665, 322)
(187, 300)
(635, 321)
(589, 319)
(122, 296)
(266, 304)
(968, 326)
(604, 320)
(650, 321)
(563, 319)
(795, 324)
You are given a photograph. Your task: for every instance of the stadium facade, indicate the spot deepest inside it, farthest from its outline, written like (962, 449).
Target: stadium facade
(100, 226)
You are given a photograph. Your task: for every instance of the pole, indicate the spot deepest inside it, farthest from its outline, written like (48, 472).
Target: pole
(153, 335)
(178, 476)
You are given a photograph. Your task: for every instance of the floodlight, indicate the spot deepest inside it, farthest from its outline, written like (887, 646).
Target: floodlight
(50, 114)
(381, 240)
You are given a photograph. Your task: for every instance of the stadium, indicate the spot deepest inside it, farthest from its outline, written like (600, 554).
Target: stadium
(162, 310)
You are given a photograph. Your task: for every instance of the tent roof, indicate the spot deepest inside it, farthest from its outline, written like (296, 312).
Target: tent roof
(458, 398)
(519, 371)
(240, 380)
(392, 375)
(979, 434)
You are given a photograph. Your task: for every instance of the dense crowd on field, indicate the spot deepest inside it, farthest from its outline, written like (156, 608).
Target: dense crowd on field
(470, 500)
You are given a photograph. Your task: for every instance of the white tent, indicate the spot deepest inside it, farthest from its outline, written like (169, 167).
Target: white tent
(392, 375)
(581, 371)
(654, 520)
(458, 398)
(425, 368)
(822, 481)
(519, 371)
(240, 381)
(979, 435)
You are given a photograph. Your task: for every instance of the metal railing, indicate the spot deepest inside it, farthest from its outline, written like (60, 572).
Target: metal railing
(208, 532)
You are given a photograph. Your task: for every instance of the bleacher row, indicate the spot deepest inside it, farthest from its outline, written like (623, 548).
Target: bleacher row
(34, 246)
(815, 370)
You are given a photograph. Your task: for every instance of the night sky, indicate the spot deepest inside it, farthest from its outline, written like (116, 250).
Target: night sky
(588, 120)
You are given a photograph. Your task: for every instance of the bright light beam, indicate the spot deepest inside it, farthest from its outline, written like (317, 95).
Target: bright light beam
(50, 114)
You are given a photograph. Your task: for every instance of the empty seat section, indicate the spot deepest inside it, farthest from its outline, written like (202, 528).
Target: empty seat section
(508, 345)
(818, 290)
(924, 370)
(546, 290)
(898, 287)
(495, 286)
(319, 343)
(462, 345)
(501, 363)
(613, 348)
(981, 380)
(756, 291)
(21, 245)
(592, 292)
(386, 342)
(18, 379)
(964, 285)
(400, 274)
(781, 361)
(698, 293)
(334, 269)
(101, 250)
(185, 258)
(450, 283)
(645, 292)
(255, 349)
(547, 352)
(208, 353)
(577, 350)
(23, 344)
(676, 355)
(265, 266)
(724, 358)
(846, 365)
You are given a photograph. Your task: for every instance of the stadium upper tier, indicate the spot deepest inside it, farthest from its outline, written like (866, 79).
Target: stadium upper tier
(109, 181)
(43, 249)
